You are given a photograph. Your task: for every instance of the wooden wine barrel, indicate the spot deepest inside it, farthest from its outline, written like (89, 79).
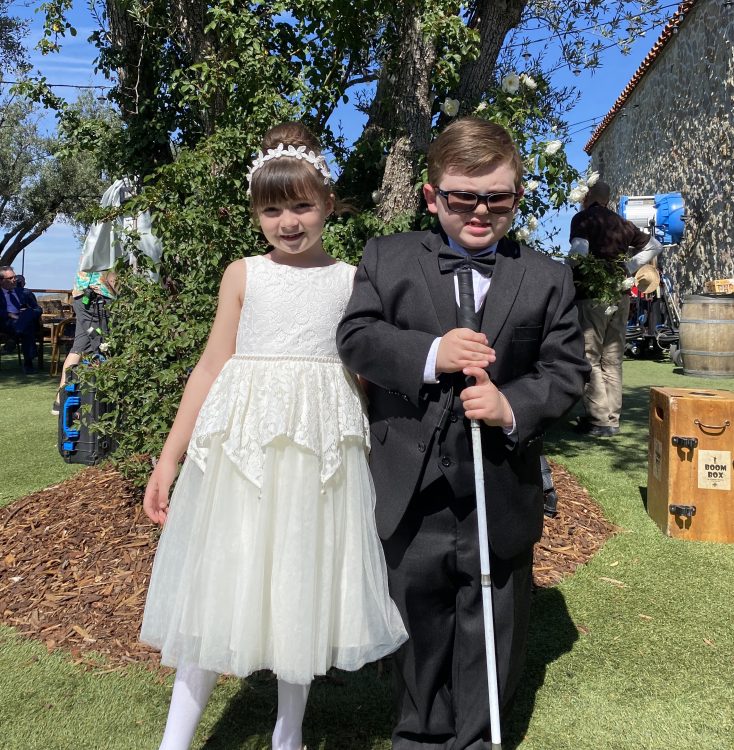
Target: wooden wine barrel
(707, 335)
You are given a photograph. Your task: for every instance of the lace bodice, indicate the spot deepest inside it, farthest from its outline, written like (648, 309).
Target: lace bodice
(285, 378)
(292, 311)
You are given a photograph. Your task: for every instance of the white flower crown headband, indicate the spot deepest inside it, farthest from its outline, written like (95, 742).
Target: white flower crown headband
(293, 152)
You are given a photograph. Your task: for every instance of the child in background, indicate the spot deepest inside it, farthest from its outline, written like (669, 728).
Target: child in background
(269, 557)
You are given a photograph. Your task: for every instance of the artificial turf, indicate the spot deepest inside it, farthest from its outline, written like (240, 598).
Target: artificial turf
(634, 651)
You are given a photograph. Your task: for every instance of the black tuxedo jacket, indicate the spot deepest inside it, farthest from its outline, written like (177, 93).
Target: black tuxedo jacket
(400, 304)
(5, 321)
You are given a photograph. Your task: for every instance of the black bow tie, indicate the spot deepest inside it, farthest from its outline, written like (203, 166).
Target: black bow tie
(450, 260)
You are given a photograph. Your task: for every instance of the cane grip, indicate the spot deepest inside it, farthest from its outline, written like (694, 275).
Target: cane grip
(467, 316)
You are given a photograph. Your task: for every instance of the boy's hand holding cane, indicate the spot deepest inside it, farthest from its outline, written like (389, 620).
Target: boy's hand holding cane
(462, 347)
(484, 401)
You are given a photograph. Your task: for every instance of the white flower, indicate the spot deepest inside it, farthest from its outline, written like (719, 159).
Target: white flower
(450, 107)
(532, 223)
(510, 83)
(610, 310)
(376, 196)
(552, 147)
(628, 283)
(104, 346)
(528, 81)
(482, 106)
(593, 179)
(578, 194)
(532, 186)
(523, 233)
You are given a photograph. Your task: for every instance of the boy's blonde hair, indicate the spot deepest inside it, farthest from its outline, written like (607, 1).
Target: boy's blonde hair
(286, 179)
(470, 146)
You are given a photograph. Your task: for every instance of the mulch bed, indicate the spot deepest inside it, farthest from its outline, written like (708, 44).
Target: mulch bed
(76, 559)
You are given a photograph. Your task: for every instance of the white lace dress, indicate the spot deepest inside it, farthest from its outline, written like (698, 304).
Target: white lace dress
(270, 557)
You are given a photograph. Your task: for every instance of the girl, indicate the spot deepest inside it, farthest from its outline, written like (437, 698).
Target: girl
(269, 558)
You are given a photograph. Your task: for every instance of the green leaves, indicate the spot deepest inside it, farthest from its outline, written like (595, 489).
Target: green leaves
(600, 279)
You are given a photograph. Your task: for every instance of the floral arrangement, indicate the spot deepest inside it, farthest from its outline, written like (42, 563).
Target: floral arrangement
(602, 280)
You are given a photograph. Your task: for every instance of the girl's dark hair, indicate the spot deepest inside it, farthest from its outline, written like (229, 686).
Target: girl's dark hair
(287, 179)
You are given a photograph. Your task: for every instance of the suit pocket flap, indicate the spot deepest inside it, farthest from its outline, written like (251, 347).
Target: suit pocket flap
(527, 333)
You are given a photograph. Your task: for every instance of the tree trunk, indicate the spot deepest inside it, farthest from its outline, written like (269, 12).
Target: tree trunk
(134, 43)
(494, 18)
(402, 110)
(21, 237)
(193, 44)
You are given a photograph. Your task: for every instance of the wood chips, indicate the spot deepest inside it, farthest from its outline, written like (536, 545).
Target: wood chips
(75, 560)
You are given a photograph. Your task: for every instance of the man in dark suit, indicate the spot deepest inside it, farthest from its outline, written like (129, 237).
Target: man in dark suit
(18, 317)
(400, 333)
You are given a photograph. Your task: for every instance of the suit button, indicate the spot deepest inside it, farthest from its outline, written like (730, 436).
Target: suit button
(446, 461)
(422, 447)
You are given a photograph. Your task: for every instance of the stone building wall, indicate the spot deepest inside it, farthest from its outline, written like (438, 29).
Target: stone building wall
(676, 133)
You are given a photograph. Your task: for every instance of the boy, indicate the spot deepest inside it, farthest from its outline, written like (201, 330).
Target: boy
(400, 333)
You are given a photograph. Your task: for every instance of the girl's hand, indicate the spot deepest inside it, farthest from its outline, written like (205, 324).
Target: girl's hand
(484, 401)
(155, 502)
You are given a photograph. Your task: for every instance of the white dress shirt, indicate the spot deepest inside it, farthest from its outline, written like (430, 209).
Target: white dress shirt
(481, 284)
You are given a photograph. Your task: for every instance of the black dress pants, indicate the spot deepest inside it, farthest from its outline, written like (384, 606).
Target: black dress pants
(24, 328)
(434, 577)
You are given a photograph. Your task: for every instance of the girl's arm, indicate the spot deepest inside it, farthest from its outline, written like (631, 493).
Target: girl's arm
(219, 348)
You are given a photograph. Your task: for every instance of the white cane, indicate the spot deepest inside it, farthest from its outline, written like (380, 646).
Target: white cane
(468, 318)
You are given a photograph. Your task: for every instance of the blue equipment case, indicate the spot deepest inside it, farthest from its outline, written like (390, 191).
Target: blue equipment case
(79, 410)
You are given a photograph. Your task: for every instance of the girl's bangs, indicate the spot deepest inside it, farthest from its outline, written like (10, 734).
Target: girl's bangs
(285, 181)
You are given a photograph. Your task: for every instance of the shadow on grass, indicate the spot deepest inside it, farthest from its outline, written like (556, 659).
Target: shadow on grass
(552, 634)
(345, 710)
(356, 710)
(643, 496)
(626, 452)
(16, 378)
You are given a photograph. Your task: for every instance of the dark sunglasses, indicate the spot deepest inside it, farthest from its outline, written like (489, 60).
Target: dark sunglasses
(462, 202)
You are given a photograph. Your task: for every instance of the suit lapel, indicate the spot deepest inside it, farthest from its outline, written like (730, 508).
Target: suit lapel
(503, 290)
(440, 285)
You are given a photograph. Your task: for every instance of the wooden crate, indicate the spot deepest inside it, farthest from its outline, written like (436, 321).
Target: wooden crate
(719, 286)
(690, 488)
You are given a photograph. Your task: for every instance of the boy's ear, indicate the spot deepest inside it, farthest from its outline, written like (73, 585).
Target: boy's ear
(429, 193)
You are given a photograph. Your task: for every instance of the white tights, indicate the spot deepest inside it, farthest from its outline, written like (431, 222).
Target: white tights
(191, 690)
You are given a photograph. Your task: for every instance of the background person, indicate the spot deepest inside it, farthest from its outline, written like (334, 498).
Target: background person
(601, 233)
(92, 293)
(19, 316)
(26, 294)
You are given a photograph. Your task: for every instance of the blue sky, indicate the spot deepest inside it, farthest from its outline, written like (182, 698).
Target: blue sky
(50, 262)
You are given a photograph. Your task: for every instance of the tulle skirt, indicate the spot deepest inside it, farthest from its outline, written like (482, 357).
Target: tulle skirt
(288, 577)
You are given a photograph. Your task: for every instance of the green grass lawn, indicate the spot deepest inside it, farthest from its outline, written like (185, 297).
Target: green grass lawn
(635, 651)
(28, 432)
